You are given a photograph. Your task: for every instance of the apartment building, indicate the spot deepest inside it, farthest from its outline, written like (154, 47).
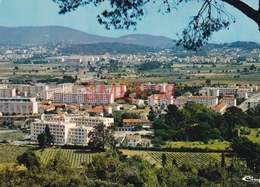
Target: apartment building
(233, 90)
(231, 101)
(160, 100)
(129, 124)
(64, 133)
(84, 98)
(87, 121)
(18, 105)
(117, 90)
(31, 90)
(208, 91)
(162, 87)
(7, 92)
(180, 100)
(206, 100)
(61, 88)
(78, 135)
(253, 102)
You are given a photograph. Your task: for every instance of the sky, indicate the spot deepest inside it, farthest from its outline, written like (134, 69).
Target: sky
(14, 13)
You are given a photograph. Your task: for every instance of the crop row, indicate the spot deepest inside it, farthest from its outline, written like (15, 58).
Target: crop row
(197, 159)
(74, 157)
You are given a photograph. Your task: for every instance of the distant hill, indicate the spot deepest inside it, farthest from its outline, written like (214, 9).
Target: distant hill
(244, 45)
(48, 34)
(58, 34)
(149, 40)
(106, 47)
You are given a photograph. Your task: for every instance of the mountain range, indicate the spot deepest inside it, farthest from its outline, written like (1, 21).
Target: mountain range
(57, 34)
(40, 35)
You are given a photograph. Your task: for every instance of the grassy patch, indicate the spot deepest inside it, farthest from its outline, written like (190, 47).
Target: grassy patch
(10, 135)
(253, 135)
(9, 153)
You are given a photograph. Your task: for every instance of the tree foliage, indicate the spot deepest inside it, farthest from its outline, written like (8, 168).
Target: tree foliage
(112, 168)
(211, 17)
(45, 139)
(101, 137)
(196, 122)
(29, 159)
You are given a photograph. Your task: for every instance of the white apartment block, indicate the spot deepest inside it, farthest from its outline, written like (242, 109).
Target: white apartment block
(31, 90)
(180, 100)
(7, 92)
(3, 86)
(117, 90)
(68, 129)
(87, 121)
(58, 129)
(231, 101)
(242, 95)
(79, 135)
(253, 102)
(206, 100)
(163, 88)
(160, 100)
(228, 91)
(61, 88)
(48, 94)
(66, 87)
(234, 90)
(84, 98)
(63, 132)
(18, 105)
(208, 91)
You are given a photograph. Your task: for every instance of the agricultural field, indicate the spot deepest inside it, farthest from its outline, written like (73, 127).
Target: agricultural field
(11, 135)
(212, 144)
(9, 153)
(74, 156)
(187, 74)
(195, 159)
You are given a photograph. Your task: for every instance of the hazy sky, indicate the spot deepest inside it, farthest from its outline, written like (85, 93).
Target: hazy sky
(15, 13)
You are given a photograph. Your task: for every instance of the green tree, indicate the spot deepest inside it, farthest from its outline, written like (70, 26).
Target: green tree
(170, 176)
(223, 162)
(208, 82)
(234, 116)
(164, 159)
(29, 159)
(45, 139)
(152, 115)
(59, 164)
(211, 17)
(101, 137)
(42, 140)
(211, 172)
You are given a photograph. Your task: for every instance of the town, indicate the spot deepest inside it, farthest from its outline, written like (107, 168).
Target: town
(168, 106)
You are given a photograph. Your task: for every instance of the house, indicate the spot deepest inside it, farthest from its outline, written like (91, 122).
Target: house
(137, 140)
(221, 107)
(129, 124)
(231, 101)
(45, 108)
